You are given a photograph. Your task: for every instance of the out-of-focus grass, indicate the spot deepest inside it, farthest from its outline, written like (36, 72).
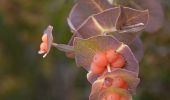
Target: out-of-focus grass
(24, 75)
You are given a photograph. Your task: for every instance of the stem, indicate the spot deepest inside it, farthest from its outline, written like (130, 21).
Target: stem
(134, 26)
(108, 68)
(130, 29)
(63, 47)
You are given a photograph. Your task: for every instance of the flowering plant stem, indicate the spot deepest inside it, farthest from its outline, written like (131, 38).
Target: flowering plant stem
(63, 47)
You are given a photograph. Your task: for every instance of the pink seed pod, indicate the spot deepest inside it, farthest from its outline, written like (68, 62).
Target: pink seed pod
(97, 69)
(43, 47)
(47, 40)
(100, 59)
(111, 55)
(44, 38)
(119, 62)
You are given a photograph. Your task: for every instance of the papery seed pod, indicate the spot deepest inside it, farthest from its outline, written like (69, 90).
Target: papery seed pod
(47, 39)
(47, 42)
(130, 77)
(85, 49)
(120, 92)
(104, 93)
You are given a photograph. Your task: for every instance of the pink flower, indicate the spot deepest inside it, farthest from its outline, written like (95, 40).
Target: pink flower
(47, 40)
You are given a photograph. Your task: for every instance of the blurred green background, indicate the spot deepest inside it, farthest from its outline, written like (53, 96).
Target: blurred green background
(25, 75)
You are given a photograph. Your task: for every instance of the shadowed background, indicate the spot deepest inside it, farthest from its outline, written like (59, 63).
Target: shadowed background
(25, 75)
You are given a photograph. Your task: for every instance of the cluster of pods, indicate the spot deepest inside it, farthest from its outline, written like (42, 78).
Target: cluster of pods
(106, 43)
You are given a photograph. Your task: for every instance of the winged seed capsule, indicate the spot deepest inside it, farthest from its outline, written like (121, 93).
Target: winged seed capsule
(47, 40)
(86, 49)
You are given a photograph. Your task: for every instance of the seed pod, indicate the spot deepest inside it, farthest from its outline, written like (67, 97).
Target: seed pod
(47, 38)
(85, 49)
(129, 77)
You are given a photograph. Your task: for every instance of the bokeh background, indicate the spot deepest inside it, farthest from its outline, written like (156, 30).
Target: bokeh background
(25, 75)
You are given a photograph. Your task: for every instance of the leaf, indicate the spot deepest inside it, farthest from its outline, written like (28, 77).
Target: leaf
(131, 16)
(85, 8)
(137, 48)
(131, 61)
(130, 23)
(156, 12)
(100, 24)
(85, 49)
(123, 22)
(71, 54)
(96, 24)
(63, 47)
(91, 77)
(127, 36)
(97, 86)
